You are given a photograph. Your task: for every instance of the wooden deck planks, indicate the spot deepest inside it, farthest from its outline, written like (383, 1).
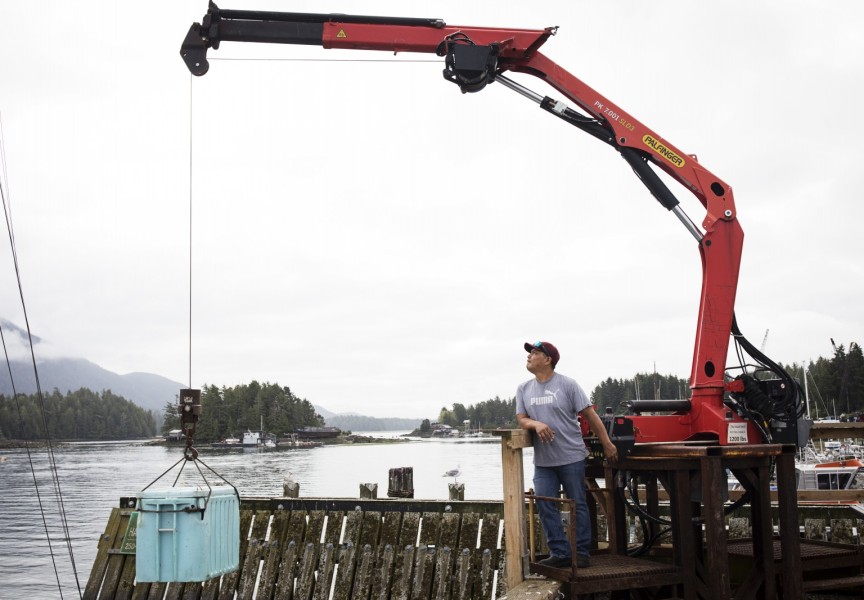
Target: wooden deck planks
(303, 555)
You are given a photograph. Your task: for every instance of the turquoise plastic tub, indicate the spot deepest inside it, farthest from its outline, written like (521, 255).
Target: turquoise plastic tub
(184, 536)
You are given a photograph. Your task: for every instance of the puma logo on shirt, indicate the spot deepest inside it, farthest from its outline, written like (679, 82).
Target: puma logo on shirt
(550, 397)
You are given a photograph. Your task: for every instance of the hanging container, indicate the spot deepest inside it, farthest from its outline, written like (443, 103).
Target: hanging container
(187, 534)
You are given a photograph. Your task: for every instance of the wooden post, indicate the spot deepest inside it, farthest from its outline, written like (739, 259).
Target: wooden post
(401, 483)
(290, 488)
(369, 491)
(457, 491)
(788, 508)
(516, 552)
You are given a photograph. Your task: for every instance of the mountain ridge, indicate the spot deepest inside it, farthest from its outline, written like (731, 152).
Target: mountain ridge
(147, 390)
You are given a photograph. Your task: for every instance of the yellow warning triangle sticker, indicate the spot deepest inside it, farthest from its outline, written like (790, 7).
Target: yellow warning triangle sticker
(341, 34)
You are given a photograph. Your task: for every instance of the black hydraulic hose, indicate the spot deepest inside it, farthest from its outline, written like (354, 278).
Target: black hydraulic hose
(790, 405)
(639, 161)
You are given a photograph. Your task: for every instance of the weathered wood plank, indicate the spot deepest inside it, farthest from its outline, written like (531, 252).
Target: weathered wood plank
(489, 531)
(230, 580)
(326, 568)
(442, 579)
(383, 575)
(314, 527)
(271, 554)
(142, 591)
(157, 591)
(333, 527)
(249, 569)
(363, 574)
(424, 566)
(468, 531)
(409, 530)
(126, 585)
(279, 527)
(191, 591)
(100, 564)
(466, 546)
(114, 570)
(429, 530)
(210, 589)
(345, 573)
(391, 523)
(175, 591)
(448, 530)
(463, 575)
(371, 528)
(486, 576)
(306, 573)
(353, 527)
(283, 588)
(486, 553)
(296, 528)
(403, 573)
(260, 525)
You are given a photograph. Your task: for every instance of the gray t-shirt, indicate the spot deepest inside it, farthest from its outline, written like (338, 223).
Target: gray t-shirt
(556, 403)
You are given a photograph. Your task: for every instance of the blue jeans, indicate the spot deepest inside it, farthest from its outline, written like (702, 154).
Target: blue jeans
(547, 482)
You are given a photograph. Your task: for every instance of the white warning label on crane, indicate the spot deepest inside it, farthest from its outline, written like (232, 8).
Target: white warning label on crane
(736, 433)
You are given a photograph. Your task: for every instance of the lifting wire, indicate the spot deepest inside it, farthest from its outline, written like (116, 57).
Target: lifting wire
(52, 463)
(189, 404)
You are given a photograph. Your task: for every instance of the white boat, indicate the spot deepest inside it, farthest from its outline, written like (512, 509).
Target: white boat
(824, 480)
(258, 439)
(841, 474)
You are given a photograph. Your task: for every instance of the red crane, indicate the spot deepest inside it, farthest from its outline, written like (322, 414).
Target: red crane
(743, 409)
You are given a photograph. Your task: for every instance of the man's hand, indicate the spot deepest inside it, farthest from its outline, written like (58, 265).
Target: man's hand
(544, 432)
(610, 451)
(599, 429)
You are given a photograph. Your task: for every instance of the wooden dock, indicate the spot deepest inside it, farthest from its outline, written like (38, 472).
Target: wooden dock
(297, 549)
(405, 549)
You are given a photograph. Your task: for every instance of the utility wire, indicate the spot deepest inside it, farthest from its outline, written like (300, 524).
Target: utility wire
(191, 79)
(50, 449)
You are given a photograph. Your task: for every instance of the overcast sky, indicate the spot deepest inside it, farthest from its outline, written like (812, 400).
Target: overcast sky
(381, 243)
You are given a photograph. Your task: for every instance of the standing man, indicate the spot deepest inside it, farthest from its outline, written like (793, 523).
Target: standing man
(548, 405)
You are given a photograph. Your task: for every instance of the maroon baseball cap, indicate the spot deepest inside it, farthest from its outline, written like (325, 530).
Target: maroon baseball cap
(547, 348)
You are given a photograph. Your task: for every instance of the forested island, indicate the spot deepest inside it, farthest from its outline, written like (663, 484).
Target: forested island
(231, 411)
(79, 415)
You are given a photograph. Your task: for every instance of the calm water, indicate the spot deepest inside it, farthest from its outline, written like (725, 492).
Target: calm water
(93, 476)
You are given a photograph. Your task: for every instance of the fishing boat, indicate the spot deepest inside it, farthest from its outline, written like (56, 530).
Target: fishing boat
(846, 473)
(251, 439)
(833, 481)
(258, 439)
